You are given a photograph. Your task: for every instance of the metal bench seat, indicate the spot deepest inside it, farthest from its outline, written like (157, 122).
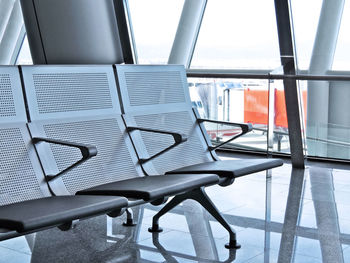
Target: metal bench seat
(230, 168)
(53, 211)
(151, 188)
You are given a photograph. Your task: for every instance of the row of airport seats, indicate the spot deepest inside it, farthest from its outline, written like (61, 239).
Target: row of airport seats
(137, 123)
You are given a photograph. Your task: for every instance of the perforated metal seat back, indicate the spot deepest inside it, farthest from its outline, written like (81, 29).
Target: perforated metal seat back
(79, 104)
(158, 97)
(21, 177)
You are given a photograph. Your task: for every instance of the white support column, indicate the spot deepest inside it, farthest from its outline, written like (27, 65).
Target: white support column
(321, 61)
(5, 13)
(187, 32)
(11, 35)
(339, 117)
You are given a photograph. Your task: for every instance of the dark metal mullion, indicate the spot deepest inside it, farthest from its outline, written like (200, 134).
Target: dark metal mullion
(123, 32)
(290, 86)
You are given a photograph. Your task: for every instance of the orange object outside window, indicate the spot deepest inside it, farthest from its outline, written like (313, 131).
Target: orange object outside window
(256, 107)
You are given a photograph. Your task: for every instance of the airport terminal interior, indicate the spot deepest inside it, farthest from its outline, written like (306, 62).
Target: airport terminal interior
(174, 131)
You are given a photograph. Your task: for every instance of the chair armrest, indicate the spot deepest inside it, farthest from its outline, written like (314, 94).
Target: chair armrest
(246, 127)
(87, 151)
(178, 139)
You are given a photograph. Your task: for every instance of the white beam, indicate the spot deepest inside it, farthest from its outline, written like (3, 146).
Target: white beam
(187, 32)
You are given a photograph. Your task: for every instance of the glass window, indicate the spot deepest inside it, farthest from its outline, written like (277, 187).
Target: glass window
(24, 56)
(234, 100)
(239, 34)
(325, 103)
(154, 25)
(305, 16)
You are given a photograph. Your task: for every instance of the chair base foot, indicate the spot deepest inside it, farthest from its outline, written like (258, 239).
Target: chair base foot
(155, 229)
(129, 223)
(233, 245)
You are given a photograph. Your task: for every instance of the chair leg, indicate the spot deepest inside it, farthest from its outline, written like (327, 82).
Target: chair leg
(129, 218)
(201, 197)
(173, 202)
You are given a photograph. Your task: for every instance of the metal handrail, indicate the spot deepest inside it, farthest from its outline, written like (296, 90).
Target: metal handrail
(309, 138)
(330, 141)
(210, 74)
(334, 142)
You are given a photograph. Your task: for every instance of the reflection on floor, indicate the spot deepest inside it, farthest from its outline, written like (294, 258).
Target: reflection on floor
(283, 215)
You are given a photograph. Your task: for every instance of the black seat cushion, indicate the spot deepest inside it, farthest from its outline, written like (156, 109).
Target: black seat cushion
(52, 211)
(150, 188)
(230, 168)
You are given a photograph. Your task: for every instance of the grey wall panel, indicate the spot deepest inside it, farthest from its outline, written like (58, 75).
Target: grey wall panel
(73, 31)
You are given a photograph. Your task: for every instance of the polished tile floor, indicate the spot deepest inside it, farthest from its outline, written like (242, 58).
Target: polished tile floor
(282, 215)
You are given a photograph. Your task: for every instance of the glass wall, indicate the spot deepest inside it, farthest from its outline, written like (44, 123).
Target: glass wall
(24, 56)
(154, 24)
(305, 15)
(259, 102)
(237, 34)
(320, 44)
(241, 36)
(320, 38)
(233, 100)
(237, 37)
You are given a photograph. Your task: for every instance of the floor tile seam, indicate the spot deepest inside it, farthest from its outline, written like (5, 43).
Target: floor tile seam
(170, 252)
(224, 236)
(346, 186)
(224, 211)
(347, 248)
(326, 201)
(321, 187)
(18, 251)
(165, 231)
(297, 253)
(185, 210)
(207, 260)
(200, 235)
(272, 210)
(245, 261)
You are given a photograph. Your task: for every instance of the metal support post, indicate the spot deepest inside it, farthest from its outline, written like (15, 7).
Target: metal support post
(290, 86)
